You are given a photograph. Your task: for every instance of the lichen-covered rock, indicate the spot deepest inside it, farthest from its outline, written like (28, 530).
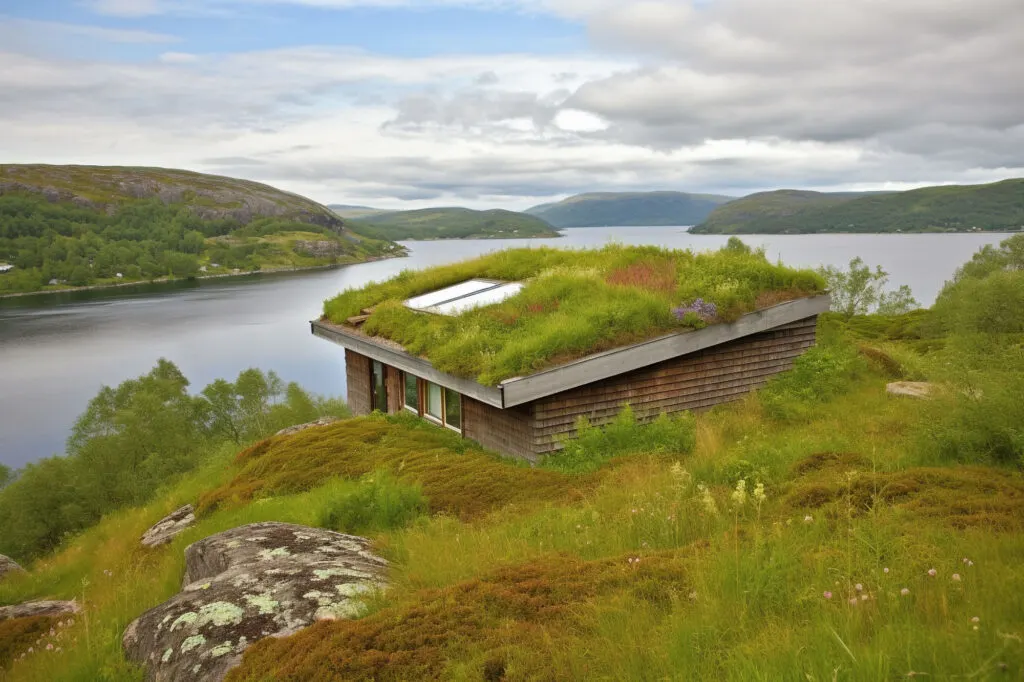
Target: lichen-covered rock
(911, 389)
(322, 421)
(38, 608)
(166, 528)
(251, 582)
(8, 565)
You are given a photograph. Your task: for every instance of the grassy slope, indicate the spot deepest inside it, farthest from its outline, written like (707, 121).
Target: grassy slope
(622, 574)
(212, 195)
(575, 303)
(996, 206)
(629, 208)
(452, 223)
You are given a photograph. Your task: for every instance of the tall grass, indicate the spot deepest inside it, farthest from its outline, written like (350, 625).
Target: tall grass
(574, 303)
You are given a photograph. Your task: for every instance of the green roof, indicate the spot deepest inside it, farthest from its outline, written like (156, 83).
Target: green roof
(574, 303)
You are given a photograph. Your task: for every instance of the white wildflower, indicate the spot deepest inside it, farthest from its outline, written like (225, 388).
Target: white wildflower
(739, 496)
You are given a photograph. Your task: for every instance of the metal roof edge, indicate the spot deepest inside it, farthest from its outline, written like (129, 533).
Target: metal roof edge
(407, 363)
(629, 358)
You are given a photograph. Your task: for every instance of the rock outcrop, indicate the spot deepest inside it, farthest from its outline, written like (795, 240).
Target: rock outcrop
(322, 421)
(38, 608)
(171, 525)
(317, 249)
(8, 565)
(921, 390)
(254, 581)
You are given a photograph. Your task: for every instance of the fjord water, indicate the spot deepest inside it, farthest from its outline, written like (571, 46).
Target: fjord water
(57, 351)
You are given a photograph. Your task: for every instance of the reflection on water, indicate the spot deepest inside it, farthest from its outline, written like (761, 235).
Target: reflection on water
(56, 351)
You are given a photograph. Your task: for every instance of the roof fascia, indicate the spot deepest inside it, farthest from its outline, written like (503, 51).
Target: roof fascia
(629, 358)
(407, 363)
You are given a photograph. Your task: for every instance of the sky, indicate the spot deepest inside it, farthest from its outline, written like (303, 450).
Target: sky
(510, 103)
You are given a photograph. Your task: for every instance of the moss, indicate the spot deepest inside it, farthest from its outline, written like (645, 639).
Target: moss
(517, 610)
(18, 634)
(573, 303)
(455, 477)
(960, 497)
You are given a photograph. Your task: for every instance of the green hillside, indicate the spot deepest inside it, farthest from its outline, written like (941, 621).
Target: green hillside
(346, 211)
(606, 209)
(72, 226)
(994, 207)
(451, 223)
(819, 529)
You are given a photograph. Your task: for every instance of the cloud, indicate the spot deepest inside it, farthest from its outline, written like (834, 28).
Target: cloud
(886, 73)
(731, 96)
(16, 32)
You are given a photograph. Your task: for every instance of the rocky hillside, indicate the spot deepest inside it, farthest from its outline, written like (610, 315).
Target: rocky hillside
(209, 197)
(605, 209)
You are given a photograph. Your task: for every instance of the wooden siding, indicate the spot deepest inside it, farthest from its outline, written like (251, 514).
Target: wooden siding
(395, 387)
(695, 381)
(509, 431)
(357, 372)
(692, 382)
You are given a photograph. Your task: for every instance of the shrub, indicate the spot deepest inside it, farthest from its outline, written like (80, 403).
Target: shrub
(820, 374)
(592, 446)
(378, 502)
(980, 417)
(860, 290)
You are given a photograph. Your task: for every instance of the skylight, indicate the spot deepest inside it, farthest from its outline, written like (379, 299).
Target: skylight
(459, 298)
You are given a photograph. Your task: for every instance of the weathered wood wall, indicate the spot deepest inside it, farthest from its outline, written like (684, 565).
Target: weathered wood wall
(699, 380)
(357, 372)
(509, 431)
(395, 388)
(692, 382)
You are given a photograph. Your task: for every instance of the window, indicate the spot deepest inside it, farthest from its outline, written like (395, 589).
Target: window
(452, 409)
(412, 393)
(438, 404)
(378, 389)
(434, 408)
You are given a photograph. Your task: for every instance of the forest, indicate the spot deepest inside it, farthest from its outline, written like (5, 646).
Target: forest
(61, 245)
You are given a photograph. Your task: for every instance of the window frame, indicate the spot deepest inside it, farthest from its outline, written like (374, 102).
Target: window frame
(374, 396)
(422, 386)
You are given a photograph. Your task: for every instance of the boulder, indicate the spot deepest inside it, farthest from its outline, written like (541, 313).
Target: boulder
(254, 581)
(8, 565)
(169, 526)
(322, 421)
(921, 390)
(38, 608)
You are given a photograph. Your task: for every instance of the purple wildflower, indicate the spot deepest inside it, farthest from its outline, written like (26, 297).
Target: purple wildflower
(828, 595)
(705, 310)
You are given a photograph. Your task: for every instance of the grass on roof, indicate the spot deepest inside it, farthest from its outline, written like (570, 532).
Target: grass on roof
(574, 303)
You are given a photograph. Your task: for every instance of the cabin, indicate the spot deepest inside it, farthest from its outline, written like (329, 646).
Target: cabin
(690, 360)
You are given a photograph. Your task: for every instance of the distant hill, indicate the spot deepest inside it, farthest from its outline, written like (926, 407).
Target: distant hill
(351, 211)
(73, 226)
(208, 197)
(629, 208)
(452, 223)
(993, 207)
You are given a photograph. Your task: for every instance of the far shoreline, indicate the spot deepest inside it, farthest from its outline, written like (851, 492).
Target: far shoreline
(172, 280)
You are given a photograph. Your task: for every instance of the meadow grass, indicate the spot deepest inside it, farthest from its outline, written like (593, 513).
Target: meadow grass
(573, 303)
(655, 565)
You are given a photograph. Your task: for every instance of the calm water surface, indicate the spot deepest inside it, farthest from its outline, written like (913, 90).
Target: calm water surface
(57, 351)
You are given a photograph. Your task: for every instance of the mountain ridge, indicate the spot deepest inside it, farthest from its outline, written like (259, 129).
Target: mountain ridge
(997, 206)
(612, 209)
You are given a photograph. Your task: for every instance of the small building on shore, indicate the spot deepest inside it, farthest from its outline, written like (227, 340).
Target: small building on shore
(697, 354)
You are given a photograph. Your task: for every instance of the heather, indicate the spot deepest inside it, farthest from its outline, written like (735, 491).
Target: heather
(574, 303)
